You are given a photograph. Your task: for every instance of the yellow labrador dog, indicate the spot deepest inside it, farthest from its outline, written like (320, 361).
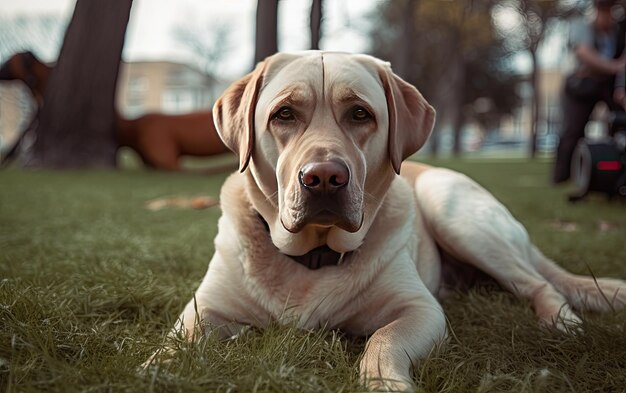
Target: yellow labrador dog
(326, 226)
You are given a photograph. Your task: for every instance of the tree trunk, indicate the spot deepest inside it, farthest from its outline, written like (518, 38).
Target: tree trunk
(535, 104)
(266, 29)
(76, 123)
(457, 130)
(433, 141)
(407, 54)
(458, 98)
(316, 24)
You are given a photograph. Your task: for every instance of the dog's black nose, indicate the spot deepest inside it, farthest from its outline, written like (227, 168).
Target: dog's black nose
(324, 177)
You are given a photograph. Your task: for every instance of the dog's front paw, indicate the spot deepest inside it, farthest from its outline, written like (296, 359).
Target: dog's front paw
(379, 377)
(387, 385)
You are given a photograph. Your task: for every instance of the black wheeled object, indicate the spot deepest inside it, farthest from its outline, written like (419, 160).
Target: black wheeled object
(600, 166)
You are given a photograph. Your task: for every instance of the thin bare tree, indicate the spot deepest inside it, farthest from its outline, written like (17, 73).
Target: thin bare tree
(208, 43)
(316, 23)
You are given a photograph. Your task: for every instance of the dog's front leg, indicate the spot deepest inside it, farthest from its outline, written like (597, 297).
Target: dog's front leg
(394, 348)
(193, 324)
(199, 318)
(220, 305)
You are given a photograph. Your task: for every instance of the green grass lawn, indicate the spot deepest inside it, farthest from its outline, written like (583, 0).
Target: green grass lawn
(91, 281)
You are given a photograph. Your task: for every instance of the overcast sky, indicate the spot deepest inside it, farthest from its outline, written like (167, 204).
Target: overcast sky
(149, 35)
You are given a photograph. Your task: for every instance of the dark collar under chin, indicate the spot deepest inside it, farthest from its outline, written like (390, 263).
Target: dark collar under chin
(315, 259)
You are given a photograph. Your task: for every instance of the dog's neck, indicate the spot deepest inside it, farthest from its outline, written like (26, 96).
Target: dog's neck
(316, 258)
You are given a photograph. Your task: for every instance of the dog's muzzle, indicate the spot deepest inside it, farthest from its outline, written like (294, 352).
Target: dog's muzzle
(326, 197)
(324, 178)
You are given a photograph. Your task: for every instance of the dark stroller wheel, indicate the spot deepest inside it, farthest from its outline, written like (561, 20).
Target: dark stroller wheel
(581, 171)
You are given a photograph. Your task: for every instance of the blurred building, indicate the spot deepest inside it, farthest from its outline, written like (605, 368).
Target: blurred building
(517, 126)
(165, 87)
(513, 131)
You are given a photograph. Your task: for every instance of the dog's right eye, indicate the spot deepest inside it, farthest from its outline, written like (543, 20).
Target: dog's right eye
(360, 114)
(284, 114)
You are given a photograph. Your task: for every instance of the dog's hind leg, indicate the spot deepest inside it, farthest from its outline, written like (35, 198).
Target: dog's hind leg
(473, 227)
(582, 292)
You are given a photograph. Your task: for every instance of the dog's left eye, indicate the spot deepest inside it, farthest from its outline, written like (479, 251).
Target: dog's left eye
(284, 114)
(360, 114)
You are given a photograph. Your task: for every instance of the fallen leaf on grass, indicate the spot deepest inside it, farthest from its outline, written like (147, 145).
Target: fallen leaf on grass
(564, 226)
(605, 226)
(200, 202)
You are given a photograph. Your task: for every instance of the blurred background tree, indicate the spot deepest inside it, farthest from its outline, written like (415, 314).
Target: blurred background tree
(266, 37)
(76, 124)
(457, 54)
(208, 42)
(266, 41)
(533, 20)
(454, 54)
(316, 23)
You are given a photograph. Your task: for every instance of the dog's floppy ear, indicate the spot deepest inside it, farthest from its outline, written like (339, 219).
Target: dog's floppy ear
(233, 114)
(411, 118)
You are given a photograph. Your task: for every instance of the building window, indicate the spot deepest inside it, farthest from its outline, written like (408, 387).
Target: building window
(176, 77)
(177, 101)
(137, 85)
(134, 107)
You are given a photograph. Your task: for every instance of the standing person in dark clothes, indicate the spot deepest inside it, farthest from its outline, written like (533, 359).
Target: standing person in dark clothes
(599, 76)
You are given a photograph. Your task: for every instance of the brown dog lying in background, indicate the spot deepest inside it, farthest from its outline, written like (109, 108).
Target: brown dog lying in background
(160, 140)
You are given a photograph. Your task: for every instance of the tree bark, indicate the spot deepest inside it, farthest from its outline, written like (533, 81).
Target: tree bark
(407, 54)
(433, 140)
(266, 29)
(76, 123)
(316, 24)
(458, 95)
(535, 104)
(458, 110)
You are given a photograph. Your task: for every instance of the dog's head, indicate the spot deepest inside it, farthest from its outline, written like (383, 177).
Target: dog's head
(322, 135)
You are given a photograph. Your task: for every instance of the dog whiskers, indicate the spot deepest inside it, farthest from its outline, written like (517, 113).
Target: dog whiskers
(371, 198)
